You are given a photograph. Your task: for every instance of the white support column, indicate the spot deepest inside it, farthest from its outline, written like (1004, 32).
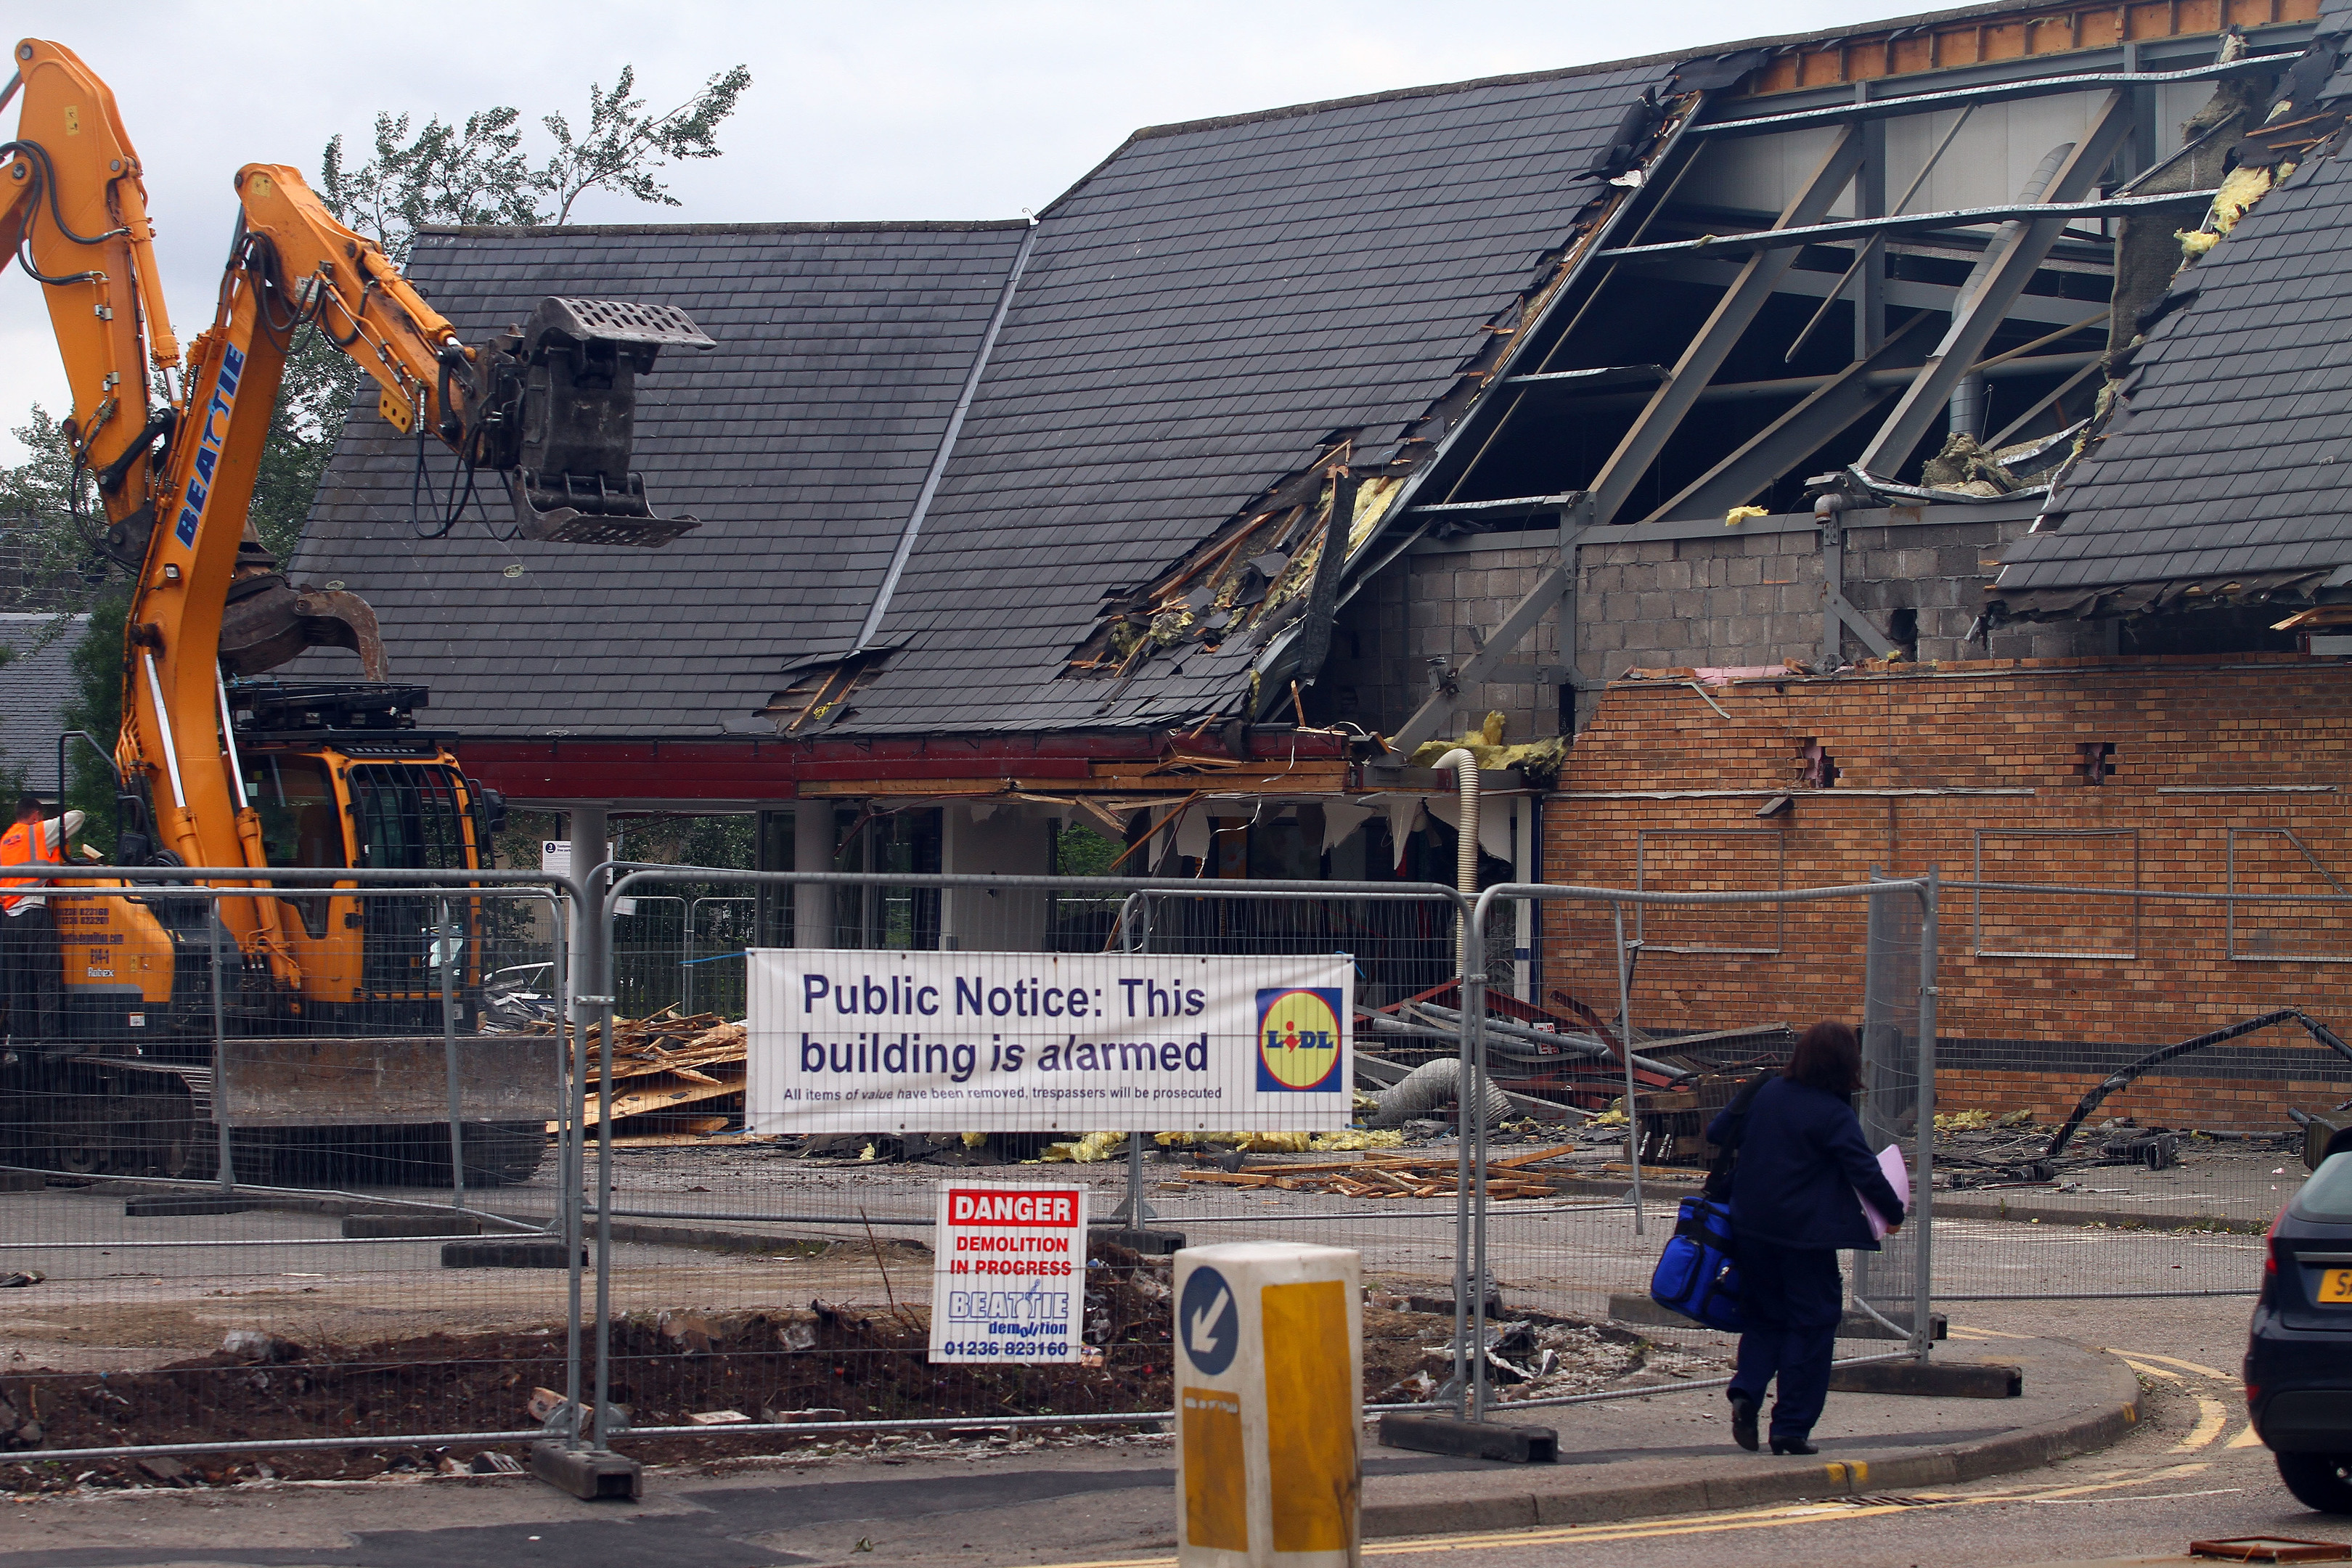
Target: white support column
(812, 846)
(955, 833)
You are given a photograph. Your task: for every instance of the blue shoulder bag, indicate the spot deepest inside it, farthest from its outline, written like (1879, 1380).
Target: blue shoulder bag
(1698, 1274)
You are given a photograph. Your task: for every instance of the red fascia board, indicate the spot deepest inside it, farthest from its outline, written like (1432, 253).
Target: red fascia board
(588, 768)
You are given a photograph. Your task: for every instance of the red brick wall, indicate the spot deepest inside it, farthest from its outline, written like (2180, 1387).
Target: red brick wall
(2175, 724)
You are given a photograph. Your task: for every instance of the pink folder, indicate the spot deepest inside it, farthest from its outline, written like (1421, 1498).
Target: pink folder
(1898, 1177)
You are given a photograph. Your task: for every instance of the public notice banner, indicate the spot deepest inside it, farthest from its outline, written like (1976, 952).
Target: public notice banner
(863, 1041)
(1009, 1273)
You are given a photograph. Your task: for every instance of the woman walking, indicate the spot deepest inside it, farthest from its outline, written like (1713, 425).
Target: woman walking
(1801, 1162)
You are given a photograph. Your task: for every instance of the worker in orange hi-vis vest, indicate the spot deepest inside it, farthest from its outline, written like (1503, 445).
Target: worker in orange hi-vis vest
(34, 976)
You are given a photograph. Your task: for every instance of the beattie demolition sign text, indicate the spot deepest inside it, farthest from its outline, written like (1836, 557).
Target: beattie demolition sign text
(863, 1041)
(1009, 1274)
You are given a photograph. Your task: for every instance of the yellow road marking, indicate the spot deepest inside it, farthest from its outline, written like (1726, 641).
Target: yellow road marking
(1993, 1333)
(2212, 1417)
(2147, 1371)
(2184, 1366)
(2248, 1438)
(1705, 1524)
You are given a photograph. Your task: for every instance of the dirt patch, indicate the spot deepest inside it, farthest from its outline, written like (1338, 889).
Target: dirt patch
(865, 1362)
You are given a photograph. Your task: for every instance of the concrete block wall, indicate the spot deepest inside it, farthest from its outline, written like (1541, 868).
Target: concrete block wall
(1741, 597)
(1428, 606)
(1940, 572)
(1755, 598)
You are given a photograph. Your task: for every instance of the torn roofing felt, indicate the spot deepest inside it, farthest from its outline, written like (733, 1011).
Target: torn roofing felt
(802, 443)
(2224, 468)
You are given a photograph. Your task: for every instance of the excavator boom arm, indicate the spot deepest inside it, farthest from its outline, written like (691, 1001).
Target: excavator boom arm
(548, 405)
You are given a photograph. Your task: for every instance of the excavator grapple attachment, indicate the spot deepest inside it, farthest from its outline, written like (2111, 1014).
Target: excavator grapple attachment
(560, 392)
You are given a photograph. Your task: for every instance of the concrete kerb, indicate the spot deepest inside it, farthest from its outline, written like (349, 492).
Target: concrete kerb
(1599, 1494)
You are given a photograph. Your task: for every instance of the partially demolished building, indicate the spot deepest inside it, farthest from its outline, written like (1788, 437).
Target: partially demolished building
(1910, 427)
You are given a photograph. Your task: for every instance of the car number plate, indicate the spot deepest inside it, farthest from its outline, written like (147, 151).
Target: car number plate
(2336, 1285)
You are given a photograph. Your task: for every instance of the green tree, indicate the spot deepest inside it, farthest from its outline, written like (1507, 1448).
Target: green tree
(477, 172)
(47, 519)
(622, 148)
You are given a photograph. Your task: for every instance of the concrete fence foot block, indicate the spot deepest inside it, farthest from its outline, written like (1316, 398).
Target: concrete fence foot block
(387, 1227)
(504, 1254)
(1150, 1242)
(1471, 1439)
(175, 1205)
(1939, 1380)
(1628, 1308)
(590, 1474)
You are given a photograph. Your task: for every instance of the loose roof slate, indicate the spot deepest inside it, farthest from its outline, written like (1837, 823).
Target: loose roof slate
(35, 687)
(1198, 319)
(801, 443)
(2227, 469)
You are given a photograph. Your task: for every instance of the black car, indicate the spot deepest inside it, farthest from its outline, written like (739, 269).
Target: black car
(2299, 1357)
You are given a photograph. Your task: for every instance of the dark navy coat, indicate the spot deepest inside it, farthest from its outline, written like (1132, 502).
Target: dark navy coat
(1802, 1161)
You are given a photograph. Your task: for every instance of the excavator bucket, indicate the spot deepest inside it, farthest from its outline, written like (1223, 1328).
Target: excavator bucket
(567, 382)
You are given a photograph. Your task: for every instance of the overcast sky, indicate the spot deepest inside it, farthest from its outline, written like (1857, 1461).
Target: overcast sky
(864, 110)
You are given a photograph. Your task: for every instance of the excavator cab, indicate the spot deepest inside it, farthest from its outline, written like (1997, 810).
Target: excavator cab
(557, 413)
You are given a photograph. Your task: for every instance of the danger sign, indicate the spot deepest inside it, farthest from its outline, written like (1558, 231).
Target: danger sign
(1009, 1274)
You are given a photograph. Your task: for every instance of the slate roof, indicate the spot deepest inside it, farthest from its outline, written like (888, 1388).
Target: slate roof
(1198, 318)
(2231, 460)
(35, 687)
(801, 443)
(1201, 316)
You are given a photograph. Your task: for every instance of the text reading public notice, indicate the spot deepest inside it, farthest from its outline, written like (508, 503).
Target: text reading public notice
(847, 1041)
(1009, 1274)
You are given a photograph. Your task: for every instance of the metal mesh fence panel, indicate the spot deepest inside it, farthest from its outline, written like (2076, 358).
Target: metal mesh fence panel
(2111, 1163)
(822, 1317)
(284, 1195)
(1891, 1285)
(1585, 1252)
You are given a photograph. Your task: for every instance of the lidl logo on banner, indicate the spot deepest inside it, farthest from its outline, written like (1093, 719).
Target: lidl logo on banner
(1299, 1040)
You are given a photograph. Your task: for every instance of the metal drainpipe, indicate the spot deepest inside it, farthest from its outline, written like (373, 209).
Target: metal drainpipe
(1470, 1099)
(1966, 412)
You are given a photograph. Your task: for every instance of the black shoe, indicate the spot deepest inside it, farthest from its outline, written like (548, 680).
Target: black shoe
(1792, 1446)
(1743, 1422)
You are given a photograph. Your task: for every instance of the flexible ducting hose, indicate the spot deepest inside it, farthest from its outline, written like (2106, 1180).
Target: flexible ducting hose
(1427, 1087)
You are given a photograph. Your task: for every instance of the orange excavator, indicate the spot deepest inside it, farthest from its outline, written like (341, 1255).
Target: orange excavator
(217, 765)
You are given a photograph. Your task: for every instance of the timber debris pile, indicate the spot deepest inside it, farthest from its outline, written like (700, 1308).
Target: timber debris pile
(677, 1079)
(1543, 1172)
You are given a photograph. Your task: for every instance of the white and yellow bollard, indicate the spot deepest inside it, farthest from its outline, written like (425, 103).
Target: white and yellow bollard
(1269, 1405)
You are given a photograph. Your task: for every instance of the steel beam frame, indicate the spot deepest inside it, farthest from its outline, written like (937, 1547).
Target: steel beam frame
(2057, 210)
(1651, 429)
(1845, 398)
(2018, 251)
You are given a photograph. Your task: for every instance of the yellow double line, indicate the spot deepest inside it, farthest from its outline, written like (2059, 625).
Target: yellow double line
(2213, 1415)
(1710, 1524)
